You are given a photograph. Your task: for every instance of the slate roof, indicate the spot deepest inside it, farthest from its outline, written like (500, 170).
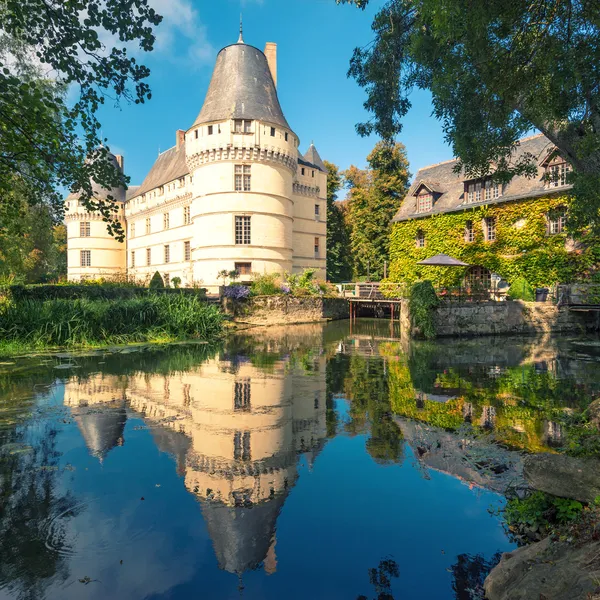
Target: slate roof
(169, 165)
(102, 429)
(117, 193)
(313, 157)
(442, 180)
(241, 87)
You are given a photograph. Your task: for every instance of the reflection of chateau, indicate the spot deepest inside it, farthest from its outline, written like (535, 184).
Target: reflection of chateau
(235, 430)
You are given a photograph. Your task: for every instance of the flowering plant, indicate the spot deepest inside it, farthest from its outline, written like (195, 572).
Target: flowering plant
(236, 292)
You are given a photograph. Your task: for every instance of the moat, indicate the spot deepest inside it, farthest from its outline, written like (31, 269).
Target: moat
(311, 461)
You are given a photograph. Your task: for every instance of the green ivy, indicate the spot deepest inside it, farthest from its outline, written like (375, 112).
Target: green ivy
(423, 300)
(522, 247)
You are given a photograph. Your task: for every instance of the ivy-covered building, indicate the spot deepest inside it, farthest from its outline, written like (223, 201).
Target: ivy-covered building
(506, 230)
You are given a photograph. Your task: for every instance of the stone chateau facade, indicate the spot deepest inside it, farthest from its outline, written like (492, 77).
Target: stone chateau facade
(234, 193)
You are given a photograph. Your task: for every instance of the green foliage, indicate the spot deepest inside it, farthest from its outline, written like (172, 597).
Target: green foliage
(522, 247)
(339, 263)
(373, 199)
(540, 512)
(496, 70)
(521, 290)
(176, 281)
(422, 302)
(49, 142)
(50, 323)
(156, 283)
(266, 284)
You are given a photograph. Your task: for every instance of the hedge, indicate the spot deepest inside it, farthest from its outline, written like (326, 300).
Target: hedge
(90, 292)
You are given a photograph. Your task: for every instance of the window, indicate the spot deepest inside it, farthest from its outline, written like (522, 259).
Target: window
(272, 131)
(424, 202)
(181, 181)
(167, 279)
(167, 254)
(80, 202)
(132, 230)
(313, 173)
(133, 259)
(243, 268)
(286, 137)
(242, 230)
(557, 221)
(491, 190)
(316, 247)
(85, 258)
(161, 190)
(243, 178)
(473, 192)
(210, 130)
(84, 229)
(302, 170)
(148, 226)
(166, 221)
(187, 218)
(469, 232)
(420, 239)
(238, 124)
(317, 212)
(241, 445)
(557, 172)
(196, 134)
(316, 404)
(489, 229)
(247, 126)
(241, 395)
(187, 251)
(148, 256)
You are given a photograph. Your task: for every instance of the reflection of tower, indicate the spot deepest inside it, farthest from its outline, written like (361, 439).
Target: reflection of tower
(553, 433)
(488, 417)
(235, 430)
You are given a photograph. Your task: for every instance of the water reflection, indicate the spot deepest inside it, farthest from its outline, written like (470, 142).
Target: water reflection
(282, 451)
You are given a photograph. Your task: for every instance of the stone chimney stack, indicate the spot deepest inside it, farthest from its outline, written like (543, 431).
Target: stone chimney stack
(120, 162)
(271, 54)
(180, 138)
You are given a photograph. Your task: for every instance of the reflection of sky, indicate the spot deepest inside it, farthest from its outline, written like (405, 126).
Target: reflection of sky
(343, 516)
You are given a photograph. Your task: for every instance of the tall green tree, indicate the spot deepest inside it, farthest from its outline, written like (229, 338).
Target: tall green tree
(47, 47)
(496, 70)
(339, 263)
(374, 197)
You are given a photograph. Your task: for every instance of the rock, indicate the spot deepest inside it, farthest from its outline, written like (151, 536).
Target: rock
(564, 476)
(594, 413)
(557, 571)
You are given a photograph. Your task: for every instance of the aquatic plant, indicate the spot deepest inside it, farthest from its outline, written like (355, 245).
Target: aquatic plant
(84, 322)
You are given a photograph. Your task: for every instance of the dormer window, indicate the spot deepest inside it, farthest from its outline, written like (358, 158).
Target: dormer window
(242, 126)
(557, 171)
(424, 201)
(483, 189)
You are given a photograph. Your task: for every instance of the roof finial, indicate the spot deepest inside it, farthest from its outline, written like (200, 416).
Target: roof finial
(241, 40)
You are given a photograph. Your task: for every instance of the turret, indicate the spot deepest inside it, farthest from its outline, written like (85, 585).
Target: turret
(92, 251)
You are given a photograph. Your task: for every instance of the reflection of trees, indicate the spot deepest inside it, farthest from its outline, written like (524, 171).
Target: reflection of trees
(380, 578)
(469, 573)
(31, 512)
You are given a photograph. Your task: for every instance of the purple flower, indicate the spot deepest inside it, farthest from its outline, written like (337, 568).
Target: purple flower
(286, 289)
(236, 292)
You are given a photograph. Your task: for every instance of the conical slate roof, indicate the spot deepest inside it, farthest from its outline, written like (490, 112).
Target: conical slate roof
(312, 156)
(241, 87)
(118, 193)
(102, 430)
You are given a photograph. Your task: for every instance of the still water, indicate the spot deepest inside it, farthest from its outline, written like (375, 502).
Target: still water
(308, 462)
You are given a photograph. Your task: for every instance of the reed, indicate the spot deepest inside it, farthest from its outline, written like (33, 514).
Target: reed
(39, 324)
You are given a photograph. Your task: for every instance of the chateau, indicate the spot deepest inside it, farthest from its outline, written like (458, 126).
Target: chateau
(234, 193)
(503, 231)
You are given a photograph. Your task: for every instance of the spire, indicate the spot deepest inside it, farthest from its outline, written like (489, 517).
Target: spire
(241, 40)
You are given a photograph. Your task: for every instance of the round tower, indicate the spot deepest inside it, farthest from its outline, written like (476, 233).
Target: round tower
(92, 251)
(242, 155)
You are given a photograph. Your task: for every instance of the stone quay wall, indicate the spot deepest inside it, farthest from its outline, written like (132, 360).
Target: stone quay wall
(502, 318)
(287, 310)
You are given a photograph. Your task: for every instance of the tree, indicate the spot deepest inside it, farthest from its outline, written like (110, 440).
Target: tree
(496, 70)
(47, 47)
(339, 265)
(374, 197)
(156, 283)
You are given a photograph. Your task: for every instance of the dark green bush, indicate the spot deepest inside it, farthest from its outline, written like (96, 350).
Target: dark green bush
(156, 283)
(521, 290)
(422, 303)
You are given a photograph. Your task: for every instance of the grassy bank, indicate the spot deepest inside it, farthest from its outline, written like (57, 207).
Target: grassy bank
(31, 324)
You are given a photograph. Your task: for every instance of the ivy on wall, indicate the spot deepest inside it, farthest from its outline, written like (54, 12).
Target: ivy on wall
(522, 247)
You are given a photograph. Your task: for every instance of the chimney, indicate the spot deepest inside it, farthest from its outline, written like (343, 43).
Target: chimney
(271, 54)
(120, 162)
(180, 138)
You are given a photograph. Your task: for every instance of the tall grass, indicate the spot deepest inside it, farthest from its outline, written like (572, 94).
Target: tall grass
(85, 322)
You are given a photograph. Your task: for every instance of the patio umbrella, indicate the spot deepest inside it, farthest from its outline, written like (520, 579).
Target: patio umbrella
(442, 260)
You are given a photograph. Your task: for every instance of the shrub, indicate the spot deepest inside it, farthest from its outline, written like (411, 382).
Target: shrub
(303, 284)
(521, 290)
(176, 281)
(156, 283)
(236, 292)
(265, 285)
(422, 302)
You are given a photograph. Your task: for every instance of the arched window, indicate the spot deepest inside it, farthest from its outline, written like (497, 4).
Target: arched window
(478, 278)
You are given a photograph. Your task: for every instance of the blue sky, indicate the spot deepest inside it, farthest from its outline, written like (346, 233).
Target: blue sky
(315, 42)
